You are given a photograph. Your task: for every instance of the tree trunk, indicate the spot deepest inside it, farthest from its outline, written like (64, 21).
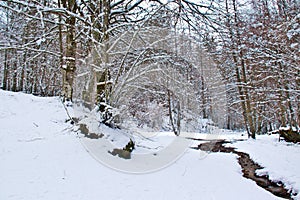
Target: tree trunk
(14, 77)
(60, 38)
(242, 77)
(99, 87)
(70, 60)
(22, 78)
(5, 71)
(175, 122)
(105, 56)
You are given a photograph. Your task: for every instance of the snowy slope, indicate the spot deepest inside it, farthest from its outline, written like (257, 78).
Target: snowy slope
(42, 158)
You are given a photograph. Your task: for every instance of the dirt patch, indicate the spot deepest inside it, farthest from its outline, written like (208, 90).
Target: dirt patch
(249, 168)
(121, 153)
(84, 130)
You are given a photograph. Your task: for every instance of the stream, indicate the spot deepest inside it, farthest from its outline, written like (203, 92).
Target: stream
(249, 168)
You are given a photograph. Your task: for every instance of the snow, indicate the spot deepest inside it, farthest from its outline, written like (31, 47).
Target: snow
(294, 45)
(287, 128)
(42, 157)
(279, 159)
(293, 32)
(40, 41)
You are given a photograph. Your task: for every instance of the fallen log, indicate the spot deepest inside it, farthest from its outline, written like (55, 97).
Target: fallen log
(289, 134)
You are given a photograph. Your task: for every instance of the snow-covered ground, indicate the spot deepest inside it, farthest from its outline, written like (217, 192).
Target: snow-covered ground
(281, 160)
(41, 157)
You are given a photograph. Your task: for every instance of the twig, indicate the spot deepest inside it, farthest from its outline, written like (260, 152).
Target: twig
(70, 118)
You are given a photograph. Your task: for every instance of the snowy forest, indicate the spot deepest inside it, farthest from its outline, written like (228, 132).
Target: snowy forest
(165, 65)
(149, 99)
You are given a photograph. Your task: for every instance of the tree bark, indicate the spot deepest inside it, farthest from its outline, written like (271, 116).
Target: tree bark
(5, 71)
(175, 127)
(106, 10)
(70, 60)
(22, 78)
(242, 77)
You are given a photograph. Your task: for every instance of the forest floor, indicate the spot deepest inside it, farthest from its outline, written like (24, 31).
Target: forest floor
(44, 157)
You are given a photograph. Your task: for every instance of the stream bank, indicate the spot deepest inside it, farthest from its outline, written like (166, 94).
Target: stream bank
(249, 168)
